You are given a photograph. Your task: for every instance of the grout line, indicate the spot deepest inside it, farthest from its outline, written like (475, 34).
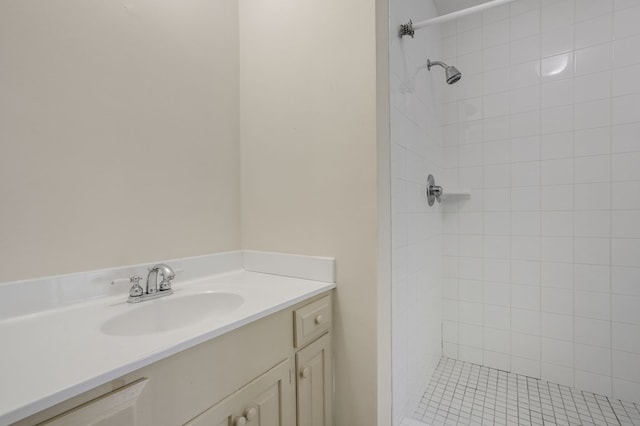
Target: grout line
(457, 210)
(611, 209)
(510, 212)
(573, 215)
(541, 296)
(482, 304)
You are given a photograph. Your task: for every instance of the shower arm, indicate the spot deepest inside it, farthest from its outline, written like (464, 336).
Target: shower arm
(439, 63)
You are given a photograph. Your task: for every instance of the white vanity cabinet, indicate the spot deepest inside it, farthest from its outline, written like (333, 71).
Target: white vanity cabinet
(275, 371)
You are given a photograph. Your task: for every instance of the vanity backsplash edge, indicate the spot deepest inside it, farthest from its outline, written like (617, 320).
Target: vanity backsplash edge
(24, 297)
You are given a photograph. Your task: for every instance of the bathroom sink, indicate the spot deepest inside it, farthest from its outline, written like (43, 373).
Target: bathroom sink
(171, 312)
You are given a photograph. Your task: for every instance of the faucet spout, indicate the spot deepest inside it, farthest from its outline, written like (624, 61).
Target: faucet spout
(152, 282)
(152, 279)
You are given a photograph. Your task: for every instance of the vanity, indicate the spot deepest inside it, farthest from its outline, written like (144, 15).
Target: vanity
(245, 339)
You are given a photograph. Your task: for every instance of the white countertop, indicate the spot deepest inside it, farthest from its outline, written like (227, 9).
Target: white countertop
(53, 355)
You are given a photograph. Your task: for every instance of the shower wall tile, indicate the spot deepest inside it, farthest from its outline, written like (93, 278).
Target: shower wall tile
(594, 31)
(593, 59)
(589, 9)
(546, 255)
(626, 52)
(421, 275)
(625, 22)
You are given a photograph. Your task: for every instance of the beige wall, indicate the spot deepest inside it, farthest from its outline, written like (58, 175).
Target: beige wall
(308, 132)
(118, 133)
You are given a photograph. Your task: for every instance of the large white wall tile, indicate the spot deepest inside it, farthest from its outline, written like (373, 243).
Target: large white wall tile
(593, 114)
(557, 93)
(592, 142)
(497, 340)
(557, 326)
(592, 223)
(557, 352)
(625, 22)
(556, 145)
(626, 51)
(625, 337)
(558, 301)
(525, 49)
(525, 74)
(556, 15)
(592, 278)
(594, 31)
(593, 359)
(557, 67)
(525, 25)
(593, 59)
(557, 40)
(593, 86)
(625, 280)
(589, 9)
(526, 322)
(625, 309)
(558, 275)
(625, 366)
(625, 137)
(592, 332)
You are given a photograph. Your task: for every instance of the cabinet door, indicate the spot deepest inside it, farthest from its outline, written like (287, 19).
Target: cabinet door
(265, 401)
(314, 383)
(122, 407)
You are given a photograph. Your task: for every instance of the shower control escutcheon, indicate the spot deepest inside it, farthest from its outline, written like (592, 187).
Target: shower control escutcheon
(434, 192)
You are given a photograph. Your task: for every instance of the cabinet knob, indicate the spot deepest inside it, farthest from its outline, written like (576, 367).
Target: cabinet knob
(250, 413)
(240, 421)
(319, 319)
(305, 372)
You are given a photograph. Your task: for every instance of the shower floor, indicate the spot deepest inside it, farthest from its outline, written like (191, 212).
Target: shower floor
(461, 393)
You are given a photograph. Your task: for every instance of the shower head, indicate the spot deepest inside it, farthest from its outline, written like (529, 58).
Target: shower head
(451, 72)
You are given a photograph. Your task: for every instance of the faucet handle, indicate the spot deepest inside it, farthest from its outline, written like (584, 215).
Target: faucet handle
(125, 280)
(136, 289)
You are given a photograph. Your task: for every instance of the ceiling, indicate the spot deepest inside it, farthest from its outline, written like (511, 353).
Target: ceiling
(448, 6)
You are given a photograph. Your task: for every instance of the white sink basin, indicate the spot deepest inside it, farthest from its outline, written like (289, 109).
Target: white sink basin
(171, 312)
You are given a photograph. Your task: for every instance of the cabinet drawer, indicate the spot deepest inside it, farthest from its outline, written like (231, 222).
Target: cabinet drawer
(311, 321)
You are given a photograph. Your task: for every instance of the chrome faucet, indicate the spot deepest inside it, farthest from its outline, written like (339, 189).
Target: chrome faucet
(152, 279)
(153, 290)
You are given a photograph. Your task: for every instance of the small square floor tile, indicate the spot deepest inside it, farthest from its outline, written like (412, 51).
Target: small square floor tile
(462, 393)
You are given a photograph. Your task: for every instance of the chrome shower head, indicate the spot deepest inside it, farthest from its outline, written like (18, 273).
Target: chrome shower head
(452, 74)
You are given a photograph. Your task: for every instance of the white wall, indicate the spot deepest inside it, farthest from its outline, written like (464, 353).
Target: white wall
(416, 152)
(309, 163)
(119, 135)
(543, 262)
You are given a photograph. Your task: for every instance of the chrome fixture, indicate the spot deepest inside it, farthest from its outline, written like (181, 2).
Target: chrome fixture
(407, 29)
(153, 290)
(451, 72)
(434, 192)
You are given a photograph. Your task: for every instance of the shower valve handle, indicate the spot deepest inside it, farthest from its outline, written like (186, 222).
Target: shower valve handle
(434, 192)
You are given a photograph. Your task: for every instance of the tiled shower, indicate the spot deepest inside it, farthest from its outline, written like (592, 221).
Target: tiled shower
(537, 271)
